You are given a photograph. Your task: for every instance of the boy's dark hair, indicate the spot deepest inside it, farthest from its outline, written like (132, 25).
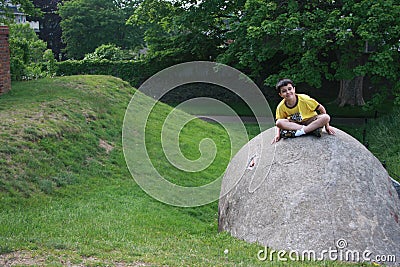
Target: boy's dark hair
(283, 82)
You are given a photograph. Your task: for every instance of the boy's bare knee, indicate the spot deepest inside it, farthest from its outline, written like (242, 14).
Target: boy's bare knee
(279, 123)
(325, 118)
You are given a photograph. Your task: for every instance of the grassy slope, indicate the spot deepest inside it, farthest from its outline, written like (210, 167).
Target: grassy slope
(51, 130)
(65, 200)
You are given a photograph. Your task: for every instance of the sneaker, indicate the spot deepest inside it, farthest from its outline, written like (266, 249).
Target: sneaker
(287, 134)
(317, 132)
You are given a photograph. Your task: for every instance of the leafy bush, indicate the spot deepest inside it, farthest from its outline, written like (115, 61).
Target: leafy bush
(134, 72)
(110, 52)
(50, 63)
(26, 53)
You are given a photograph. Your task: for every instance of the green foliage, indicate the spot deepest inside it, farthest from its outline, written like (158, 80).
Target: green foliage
(110, 52)
(26, 53)
(383, 139)
(87, 24)
(156, 18)
(313, 41)
(396, 92)
(377, 100)
(50, 63)
(184, 30)
(134, 72)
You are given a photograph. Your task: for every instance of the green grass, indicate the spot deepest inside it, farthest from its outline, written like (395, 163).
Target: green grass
(384, 142)
(50, 137)
(65, 199)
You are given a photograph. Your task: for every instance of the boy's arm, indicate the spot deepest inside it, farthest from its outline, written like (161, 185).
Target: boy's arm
(328, 129)
(277, 136)
(278, 115)
(321, 109)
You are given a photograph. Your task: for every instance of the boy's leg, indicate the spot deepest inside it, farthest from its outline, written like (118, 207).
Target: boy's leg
(285, 124)
(320, 121)
(288, 128)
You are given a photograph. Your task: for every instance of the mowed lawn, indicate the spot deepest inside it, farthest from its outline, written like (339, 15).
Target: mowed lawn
(68, 199)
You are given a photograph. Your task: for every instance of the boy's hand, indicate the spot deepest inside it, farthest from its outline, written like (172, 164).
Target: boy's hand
(276, 139)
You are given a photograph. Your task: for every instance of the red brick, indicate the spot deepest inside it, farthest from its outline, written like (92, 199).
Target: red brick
(5, 80)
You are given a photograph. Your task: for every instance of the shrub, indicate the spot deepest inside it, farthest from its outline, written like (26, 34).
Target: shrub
(110, 52)
(49, 63)
(134, 72)
(26, 53)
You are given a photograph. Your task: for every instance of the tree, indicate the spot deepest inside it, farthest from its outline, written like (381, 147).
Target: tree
(50, 29)
(185, 30)
(154, 17)
(315, 40)
(87, 24)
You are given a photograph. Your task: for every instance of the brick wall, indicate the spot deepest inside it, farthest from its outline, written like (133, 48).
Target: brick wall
(5, 77)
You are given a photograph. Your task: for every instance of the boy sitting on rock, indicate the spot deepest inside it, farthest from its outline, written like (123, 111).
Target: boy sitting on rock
(296, 114)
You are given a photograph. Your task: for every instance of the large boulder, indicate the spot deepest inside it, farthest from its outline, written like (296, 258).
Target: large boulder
(311, 194)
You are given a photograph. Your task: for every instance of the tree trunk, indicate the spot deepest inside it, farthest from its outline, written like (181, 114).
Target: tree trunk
(351, 92)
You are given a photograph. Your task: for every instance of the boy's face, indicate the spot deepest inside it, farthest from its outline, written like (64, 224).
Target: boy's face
(288, 92)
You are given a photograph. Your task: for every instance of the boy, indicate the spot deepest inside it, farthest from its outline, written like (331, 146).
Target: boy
(296, 114)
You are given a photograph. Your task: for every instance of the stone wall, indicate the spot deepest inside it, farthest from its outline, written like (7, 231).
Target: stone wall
(5, 77)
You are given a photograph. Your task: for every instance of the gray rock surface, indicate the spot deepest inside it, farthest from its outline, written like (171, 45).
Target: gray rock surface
(310, 193)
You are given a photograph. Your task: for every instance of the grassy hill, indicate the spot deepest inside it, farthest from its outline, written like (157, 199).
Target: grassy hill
(67, 198)
(51, 130)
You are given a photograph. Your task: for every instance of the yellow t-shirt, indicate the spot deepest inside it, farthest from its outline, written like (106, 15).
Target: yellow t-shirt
(304, 109)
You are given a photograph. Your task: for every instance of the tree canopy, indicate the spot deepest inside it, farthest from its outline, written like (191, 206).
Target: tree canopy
(309, 41)
(315, 40)
(50, 29)
(188, 30)
(87, 24)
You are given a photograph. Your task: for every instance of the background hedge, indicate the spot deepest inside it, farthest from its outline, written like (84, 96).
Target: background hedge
(134, 72)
